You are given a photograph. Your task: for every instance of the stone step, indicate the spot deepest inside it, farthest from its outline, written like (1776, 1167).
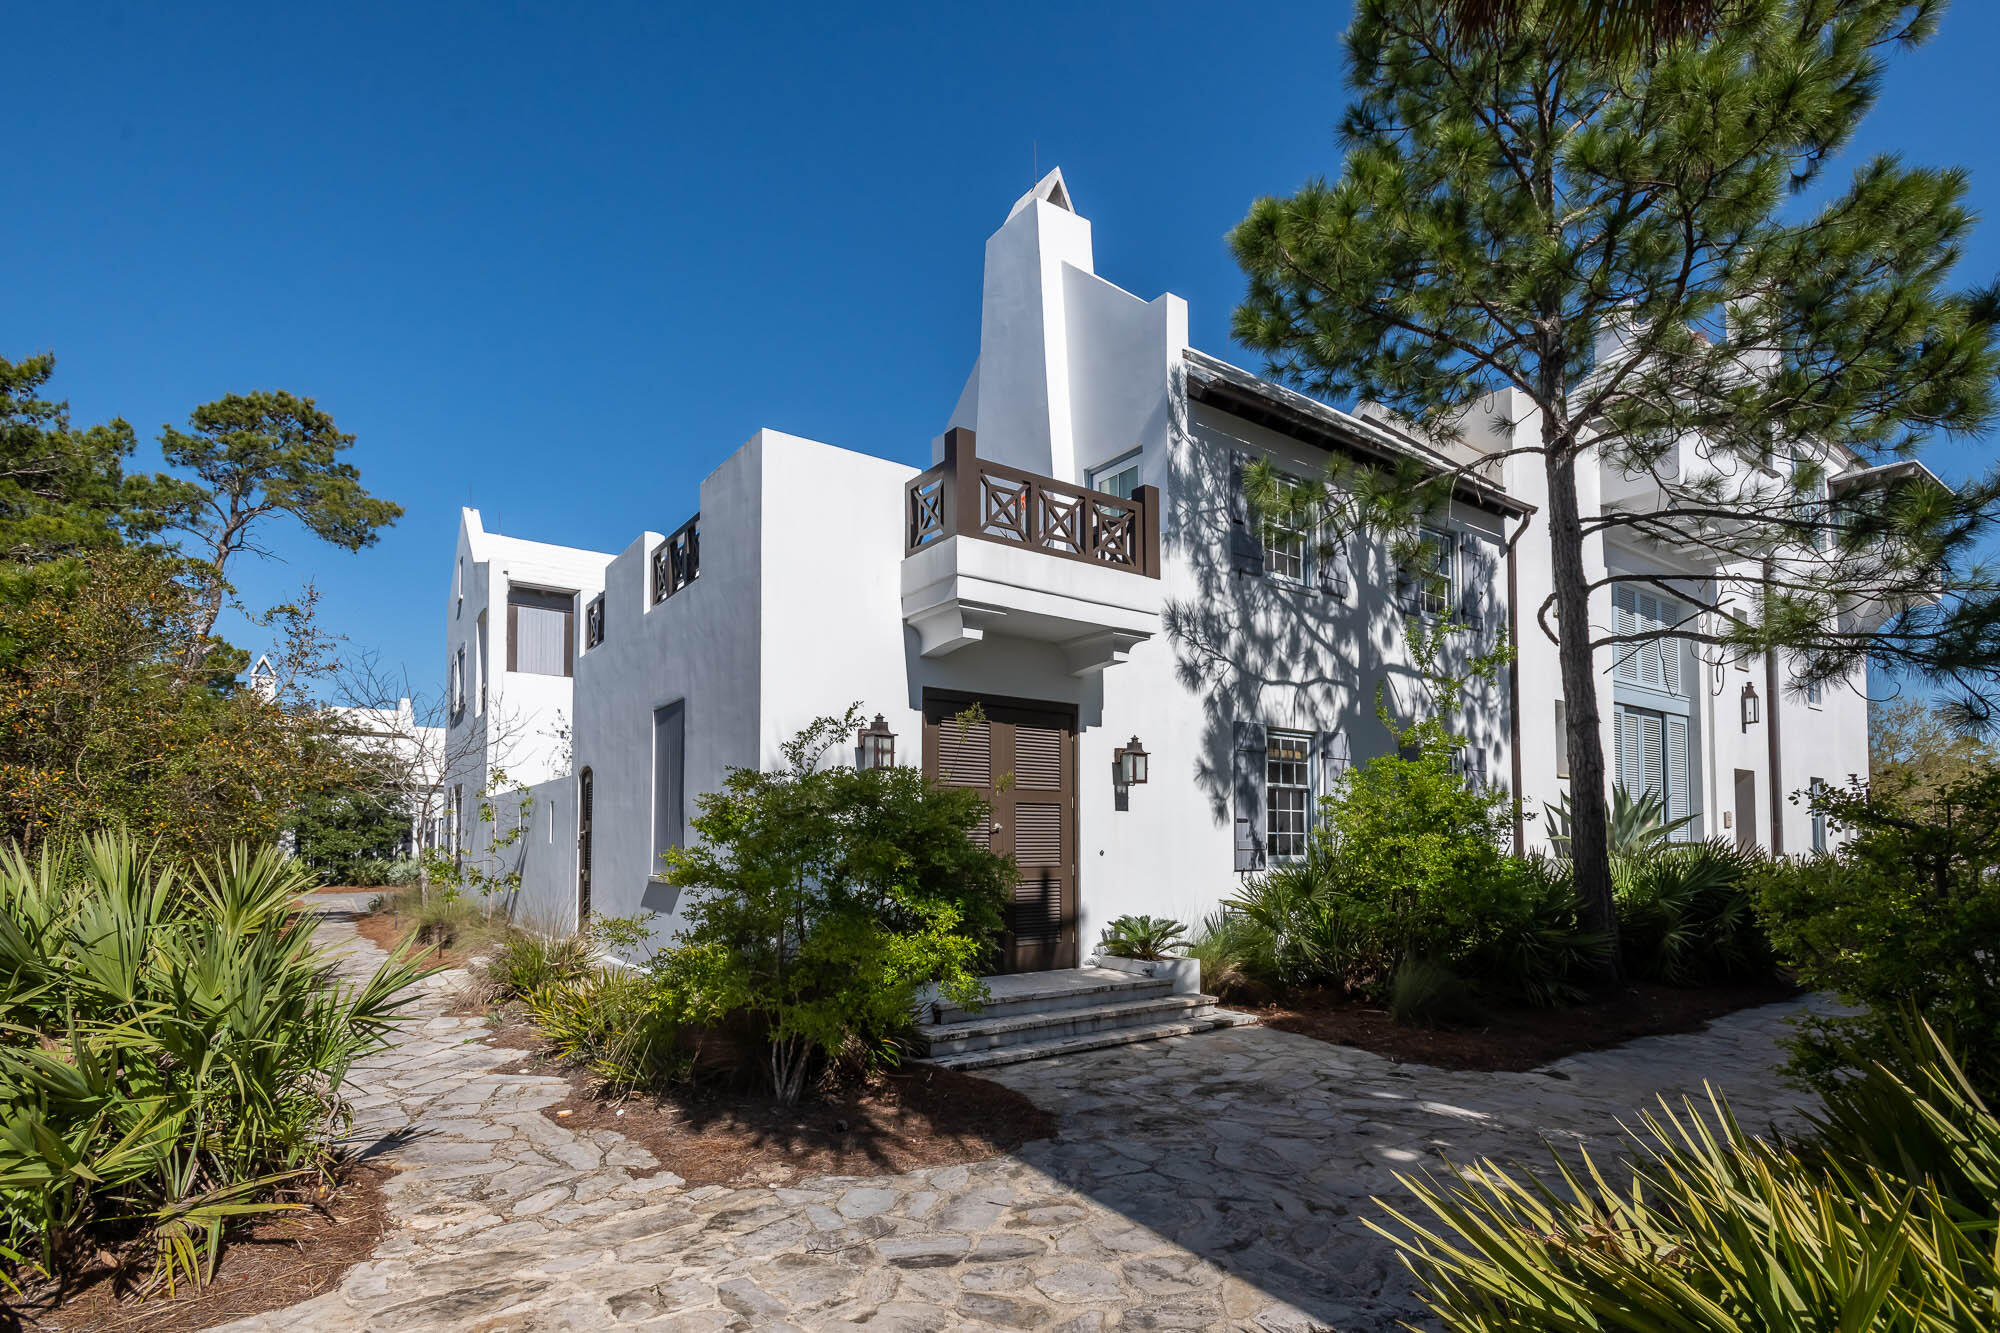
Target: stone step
(1090, 1041)
(1052, 992)
(989, 1031)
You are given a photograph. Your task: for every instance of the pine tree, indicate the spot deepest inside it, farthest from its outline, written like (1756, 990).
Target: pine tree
(1509, 207)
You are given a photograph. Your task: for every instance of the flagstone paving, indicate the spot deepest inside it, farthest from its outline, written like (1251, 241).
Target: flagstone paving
(1216, 1181)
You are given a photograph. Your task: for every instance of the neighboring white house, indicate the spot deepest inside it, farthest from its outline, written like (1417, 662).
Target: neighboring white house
(1080, 561)
(412, 753)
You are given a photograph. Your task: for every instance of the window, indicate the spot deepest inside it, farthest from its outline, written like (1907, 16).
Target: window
(1652, 663)
(458, 588)
(479, 651)
(1651, 756)
(1813, 694)
(458, 683)
(1819, 817)
(1119, 477)
(1285, 543)
(1287, 794)
(1435, 573)
(669, 768)
(593, 622)
(540, 639)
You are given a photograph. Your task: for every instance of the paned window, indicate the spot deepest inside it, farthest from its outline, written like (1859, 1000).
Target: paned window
(1436, 572)
(1120, 477)
(1285, 543)
(1287, 794)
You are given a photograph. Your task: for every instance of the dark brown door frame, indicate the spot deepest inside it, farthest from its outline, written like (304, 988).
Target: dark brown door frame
(586, 792)
(1064, 717)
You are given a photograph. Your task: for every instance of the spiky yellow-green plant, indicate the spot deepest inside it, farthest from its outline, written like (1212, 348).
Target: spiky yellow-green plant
(172, 1046)
(1886, 1220)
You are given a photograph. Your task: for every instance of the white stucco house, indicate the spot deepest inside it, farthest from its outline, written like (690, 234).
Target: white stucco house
(1079, 559)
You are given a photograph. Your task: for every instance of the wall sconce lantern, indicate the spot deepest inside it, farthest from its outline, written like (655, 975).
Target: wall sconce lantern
(1752, 710)
(1132, 764)
(1128, 770)
(876, 745)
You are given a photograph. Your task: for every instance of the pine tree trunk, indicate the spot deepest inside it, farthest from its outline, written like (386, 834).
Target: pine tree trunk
(1590, 816)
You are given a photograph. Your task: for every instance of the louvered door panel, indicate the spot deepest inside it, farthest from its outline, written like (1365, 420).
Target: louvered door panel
(1022, 760)
(1038, 759)
(965, 753)
(1038, 834)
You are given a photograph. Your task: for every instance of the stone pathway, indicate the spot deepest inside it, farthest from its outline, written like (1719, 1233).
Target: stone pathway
(1217, 1181)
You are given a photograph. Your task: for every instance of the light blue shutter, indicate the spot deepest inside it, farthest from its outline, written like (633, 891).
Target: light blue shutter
(1651, 753)
(1619, 777)
(1677, 772)
(1624, 618)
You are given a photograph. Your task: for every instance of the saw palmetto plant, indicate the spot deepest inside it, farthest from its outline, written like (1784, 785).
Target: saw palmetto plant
(172, 1050)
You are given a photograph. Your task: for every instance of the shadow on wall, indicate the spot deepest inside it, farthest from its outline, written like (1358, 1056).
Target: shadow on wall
(1254, 650)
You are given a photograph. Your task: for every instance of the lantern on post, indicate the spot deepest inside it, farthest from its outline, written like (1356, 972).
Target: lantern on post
(876, 745)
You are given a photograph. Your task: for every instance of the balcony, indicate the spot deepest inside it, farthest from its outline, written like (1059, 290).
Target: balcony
(991, 549)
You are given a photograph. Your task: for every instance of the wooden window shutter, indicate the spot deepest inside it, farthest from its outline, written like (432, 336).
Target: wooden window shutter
(1246, 542)
(1472, 579)
(1247, 777)
(1330, 570)
(1334, 760)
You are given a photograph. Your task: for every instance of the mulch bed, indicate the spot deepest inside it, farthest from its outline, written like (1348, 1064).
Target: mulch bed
(272, 1262)
(896, 1120)
(1521, 1039)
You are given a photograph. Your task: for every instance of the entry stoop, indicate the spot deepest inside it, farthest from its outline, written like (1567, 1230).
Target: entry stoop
(1034, 1015)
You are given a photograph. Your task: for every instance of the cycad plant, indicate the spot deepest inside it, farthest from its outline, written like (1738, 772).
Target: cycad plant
(172, 1048)
(1143, 938)
(1638, 824)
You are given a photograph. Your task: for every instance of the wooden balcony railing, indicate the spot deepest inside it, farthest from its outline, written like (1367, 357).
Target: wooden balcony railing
(966, 496)
(677, 560)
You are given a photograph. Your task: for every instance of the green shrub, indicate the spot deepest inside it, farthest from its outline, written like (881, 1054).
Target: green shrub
(1687, 914)
(171, 1048)
(525, 962)
(1907, 912)
(446, 917)
(1144, 938)
(821, 900)
(1235, 955)
(1883, 1221)
(1425, 994)
(1408, 865)
(613, 1022)
(349, 835)
(1537, 949)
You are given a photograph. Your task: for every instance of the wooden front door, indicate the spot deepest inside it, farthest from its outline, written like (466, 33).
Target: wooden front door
(1021, 758)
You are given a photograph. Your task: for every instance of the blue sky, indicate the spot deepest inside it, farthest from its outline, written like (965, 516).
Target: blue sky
(556, 262)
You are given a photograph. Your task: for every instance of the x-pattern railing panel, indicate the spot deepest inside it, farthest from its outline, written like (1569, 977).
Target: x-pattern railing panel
(967, 495)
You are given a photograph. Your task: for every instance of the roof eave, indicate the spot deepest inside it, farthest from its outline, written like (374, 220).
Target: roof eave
(1237, 391)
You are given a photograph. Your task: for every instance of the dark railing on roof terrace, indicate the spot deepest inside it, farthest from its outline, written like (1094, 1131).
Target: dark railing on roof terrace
(677, 560)
(966, 496)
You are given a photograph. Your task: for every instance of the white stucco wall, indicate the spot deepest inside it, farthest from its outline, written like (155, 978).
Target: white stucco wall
(700, 647)
(799, 611)
(520, 728)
